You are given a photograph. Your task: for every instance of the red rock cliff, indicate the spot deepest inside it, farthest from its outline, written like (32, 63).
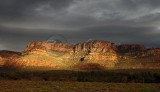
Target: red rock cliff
(49, 46)
(95, 46)
(97, 51)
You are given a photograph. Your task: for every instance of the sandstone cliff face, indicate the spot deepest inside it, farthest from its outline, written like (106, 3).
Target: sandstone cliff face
(95, 46)
(94, 50)
(44, 54)
(97, 50)
(1, 61)
(48, 46)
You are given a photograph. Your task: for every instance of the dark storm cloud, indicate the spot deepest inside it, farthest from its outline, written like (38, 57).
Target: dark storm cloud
(133, 4)
(15, 8)
(120, 21)
(19, 8)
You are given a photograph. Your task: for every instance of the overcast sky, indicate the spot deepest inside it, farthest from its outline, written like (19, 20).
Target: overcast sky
(118, 21)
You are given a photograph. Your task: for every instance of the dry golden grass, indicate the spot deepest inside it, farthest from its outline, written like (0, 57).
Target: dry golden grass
(50, 86)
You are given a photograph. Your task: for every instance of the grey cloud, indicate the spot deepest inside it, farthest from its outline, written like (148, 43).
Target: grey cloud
(63, 14)
(92, 12)
(135, 4)
(14, 8)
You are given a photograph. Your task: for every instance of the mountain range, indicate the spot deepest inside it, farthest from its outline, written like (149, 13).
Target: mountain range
(94, 54)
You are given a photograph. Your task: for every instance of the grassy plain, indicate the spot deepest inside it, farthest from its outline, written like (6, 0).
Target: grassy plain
(35, 79)
(59, 86)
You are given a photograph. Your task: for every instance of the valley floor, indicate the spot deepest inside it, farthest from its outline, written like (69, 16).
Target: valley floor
(56, 86)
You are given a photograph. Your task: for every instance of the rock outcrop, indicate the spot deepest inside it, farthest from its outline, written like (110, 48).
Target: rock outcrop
(44, 54)
(1, 61)
(95, 46)
(97, 50)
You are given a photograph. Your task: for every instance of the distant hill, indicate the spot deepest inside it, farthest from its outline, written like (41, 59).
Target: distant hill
(7, 55)
(94, 54)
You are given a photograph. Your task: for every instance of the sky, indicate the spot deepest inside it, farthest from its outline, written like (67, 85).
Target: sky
(118, 21)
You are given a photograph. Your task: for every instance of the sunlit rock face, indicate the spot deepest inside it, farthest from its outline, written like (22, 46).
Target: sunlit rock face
(43, 54)
(44, 48)
(1, 61)
(97, 50)
(96, 53)
(95, 46)
(49, 46)
(92, 47)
